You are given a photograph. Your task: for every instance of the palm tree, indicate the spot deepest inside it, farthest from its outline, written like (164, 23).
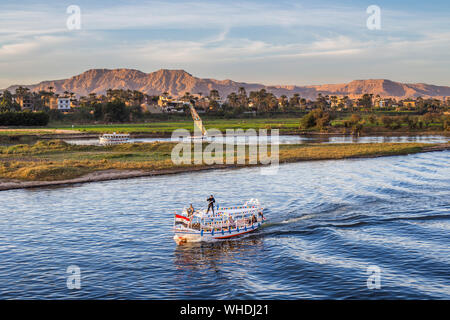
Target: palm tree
(295, 100)
(302, 102)
(242, 92)
(334, 101)
(233, 100)
(242, 96)
(109, 94)
(283, 101)
(187, 97)
(214, 94)
(50, 89)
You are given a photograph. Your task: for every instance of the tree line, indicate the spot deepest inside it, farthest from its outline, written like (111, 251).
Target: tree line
(120, 105)
(356, 123)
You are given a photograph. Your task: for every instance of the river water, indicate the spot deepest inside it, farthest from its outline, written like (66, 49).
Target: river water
(328, 222)
(295, 139)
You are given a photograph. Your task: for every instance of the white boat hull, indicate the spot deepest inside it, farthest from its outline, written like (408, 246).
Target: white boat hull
(207, 236)
(109, 141)
(196, 139)
(114, 138)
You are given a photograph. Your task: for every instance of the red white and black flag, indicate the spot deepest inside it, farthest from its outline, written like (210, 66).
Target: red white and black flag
(181, 220)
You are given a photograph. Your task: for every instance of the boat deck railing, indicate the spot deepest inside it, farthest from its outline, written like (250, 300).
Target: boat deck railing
(220, 220)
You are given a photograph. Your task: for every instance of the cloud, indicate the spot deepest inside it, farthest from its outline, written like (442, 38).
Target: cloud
(240, 50)
(40, 44)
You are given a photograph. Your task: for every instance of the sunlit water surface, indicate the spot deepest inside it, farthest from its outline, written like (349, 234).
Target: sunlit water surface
(328, 221)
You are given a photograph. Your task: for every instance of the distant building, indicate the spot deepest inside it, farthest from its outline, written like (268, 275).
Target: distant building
(25, 102)
(334, 103)
(202, 104)
(409, 103)
(152, 108)
(446, 101)
(53, 103)
(172, 105)
(74, 103)
(381, 103)
(63, 104)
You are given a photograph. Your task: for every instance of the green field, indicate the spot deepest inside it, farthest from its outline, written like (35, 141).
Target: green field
(285, 126)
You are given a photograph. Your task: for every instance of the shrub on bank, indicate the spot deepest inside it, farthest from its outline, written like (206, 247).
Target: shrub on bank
(316, 118)
(23, 119)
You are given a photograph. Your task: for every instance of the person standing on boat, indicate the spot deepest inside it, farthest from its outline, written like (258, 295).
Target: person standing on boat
(211, 201)
(190, 211)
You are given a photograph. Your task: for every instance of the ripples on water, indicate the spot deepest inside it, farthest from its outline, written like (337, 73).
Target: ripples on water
(329, 220)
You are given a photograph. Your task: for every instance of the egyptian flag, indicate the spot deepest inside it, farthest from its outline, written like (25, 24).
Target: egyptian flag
(181, 220)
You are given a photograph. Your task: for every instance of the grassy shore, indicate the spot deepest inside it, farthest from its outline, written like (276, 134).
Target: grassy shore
(56, 160)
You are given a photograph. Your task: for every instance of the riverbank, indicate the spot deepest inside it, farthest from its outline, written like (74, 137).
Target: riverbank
(52, 163)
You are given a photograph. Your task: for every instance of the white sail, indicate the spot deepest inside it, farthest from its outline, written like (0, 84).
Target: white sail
(197, 120)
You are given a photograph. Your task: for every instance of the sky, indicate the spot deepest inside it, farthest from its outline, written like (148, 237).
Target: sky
(270, 42)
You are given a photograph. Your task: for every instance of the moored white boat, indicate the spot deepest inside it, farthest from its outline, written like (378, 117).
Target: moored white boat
(194, 139)
(114, 138)
(225, 223)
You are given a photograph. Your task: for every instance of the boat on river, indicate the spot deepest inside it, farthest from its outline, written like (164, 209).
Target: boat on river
(114, 138)
(224, 223)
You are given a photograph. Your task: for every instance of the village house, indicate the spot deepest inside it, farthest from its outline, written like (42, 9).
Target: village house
(74, 103)
(60, 103)
(64, 104)
(380, 103)
(172, 105)
(53, 103)
(151, 107)
(25, 102)
(409, 103)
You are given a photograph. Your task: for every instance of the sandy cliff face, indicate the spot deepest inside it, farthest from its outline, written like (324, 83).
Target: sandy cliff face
(177, 82)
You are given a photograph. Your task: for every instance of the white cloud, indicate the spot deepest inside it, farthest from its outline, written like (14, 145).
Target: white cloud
(26, 48)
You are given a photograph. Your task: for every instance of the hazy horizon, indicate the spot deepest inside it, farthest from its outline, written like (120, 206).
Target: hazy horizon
(282, 43)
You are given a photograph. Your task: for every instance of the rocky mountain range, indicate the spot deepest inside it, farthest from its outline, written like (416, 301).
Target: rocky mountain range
(177, 82)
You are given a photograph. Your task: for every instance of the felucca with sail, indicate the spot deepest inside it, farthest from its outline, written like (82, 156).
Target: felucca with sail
(198, 125)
